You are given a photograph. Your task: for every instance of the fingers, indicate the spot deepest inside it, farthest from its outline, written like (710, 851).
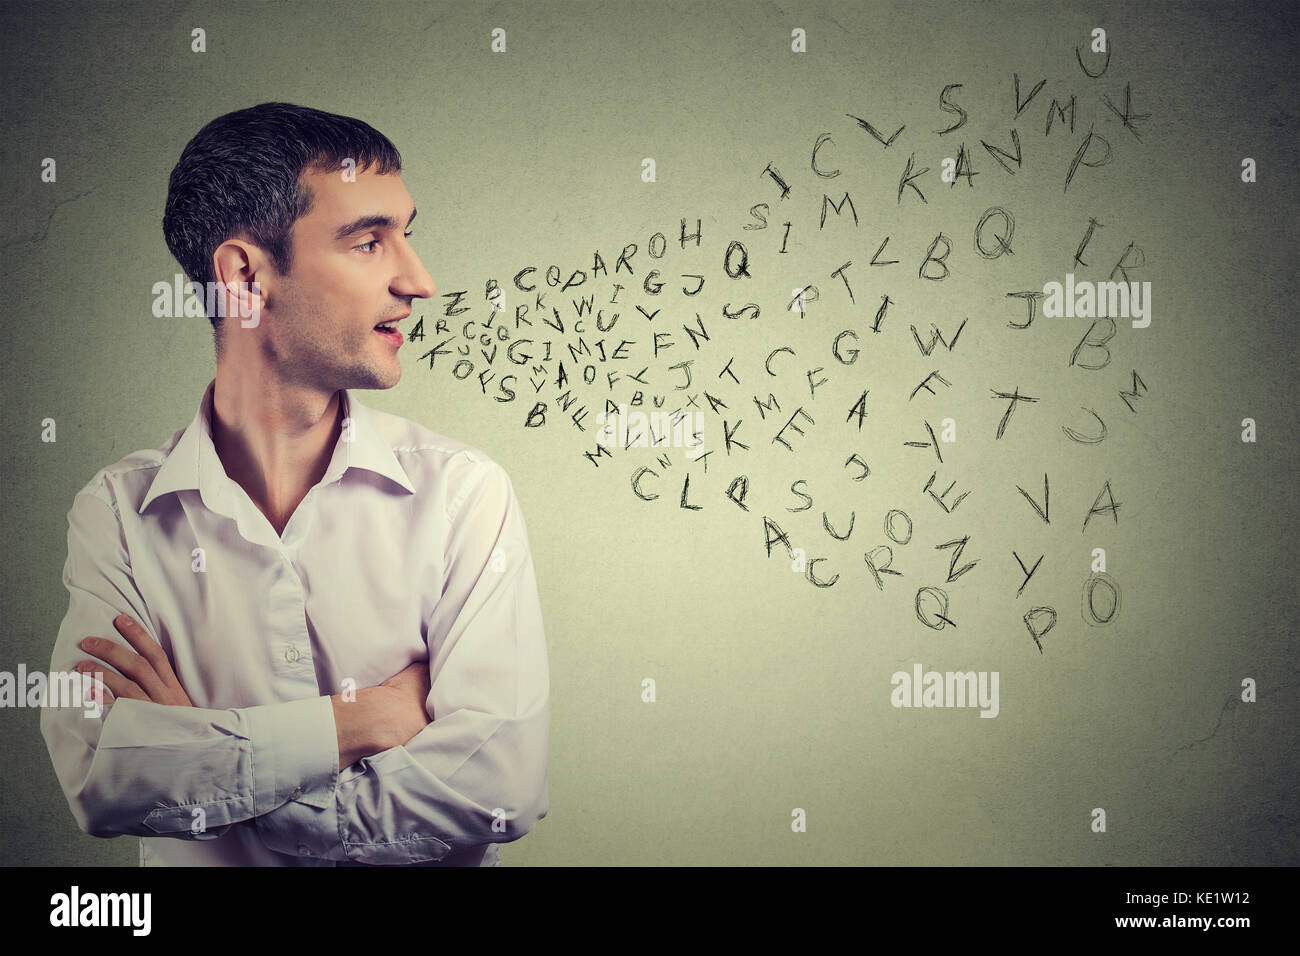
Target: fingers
(112, 681)
(148, 648)
(143, 677)
(105, 698)
(96, 691)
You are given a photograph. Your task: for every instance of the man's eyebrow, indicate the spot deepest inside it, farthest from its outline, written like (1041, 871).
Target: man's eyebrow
(371, 222)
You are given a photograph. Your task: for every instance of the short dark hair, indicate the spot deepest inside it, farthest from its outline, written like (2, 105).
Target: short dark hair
(240, 176)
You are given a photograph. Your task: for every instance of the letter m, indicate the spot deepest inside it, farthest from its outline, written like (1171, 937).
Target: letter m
(763, 409)
(1114, 293)
(592, 456)
(826, 201)
(961, 688)
(68, 687)
(1137, 384)
(119, 905)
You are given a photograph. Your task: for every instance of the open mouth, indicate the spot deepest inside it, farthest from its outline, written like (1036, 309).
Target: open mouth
(389, 333)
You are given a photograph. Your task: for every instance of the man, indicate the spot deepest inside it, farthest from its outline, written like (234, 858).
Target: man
(335, 652)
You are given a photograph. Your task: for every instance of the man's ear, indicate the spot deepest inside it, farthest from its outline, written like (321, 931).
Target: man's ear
(240, 268)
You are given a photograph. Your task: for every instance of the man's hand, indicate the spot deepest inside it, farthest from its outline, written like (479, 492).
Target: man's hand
(385, 716)
(148, 675)
(402, 713)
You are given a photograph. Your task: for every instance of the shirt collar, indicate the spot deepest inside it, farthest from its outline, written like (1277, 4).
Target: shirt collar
(193, 462)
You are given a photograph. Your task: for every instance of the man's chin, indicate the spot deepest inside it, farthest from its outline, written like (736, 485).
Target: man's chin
(372, 379)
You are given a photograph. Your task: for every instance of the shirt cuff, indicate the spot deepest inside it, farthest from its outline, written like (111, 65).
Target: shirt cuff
(295, 753)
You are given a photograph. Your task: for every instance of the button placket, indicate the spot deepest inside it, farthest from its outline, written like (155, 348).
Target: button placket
(294, 648)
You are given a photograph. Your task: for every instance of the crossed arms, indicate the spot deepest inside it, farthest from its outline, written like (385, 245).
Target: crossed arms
(371, 780)
(379, 718)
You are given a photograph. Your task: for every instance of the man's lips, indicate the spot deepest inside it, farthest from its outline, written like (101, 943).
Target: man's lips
(394, 337)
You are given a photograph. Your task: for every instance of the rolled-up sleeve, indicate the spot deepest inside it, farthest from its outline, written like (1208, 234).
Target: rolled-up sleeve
(477, 773)
(157, 770)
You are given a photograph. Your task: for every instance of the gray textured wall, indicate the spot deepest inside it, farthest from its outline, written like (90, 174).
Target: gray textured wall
(772, 693)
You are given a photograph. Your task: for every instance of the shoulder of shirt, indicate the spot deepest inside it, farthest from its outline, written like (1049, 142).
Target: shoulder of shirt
(135, 470)
(423, 447)
(424, 453)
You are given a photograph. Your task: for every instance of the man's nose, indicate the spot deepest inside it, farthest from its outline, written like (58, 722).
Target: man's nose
(414, 279)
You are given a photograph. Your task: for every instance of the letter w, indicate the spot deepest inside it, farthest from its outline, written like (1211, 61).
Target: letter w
(937, 337)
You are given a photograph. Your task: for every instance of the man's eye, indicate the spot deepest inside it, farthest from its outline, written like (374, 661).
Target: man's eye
(375, 241)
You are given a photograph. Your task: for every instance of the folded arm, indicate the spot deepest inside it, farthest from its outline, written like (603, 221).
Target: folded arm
(159, 769)
(474, 775)
(477, 773)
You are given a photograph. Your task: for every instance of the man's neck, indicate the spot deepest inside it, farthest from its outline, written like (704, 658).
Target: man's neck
(274, 441)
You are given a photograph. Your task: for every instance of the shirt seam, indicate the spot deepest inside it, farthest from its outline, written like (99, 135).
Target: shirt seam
(92, 492)
(481, 744)
(107, 473)
(190, 804)
(405, 842)
(454, 511)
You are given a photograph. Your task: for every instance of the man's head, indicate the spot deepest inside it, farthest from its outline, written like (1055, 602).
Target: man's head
(310, 206)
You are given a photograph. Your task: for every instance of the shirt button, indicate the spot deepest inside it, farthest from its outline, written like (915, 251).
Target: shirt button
(304, 850)
(297, 792)
(292, 655)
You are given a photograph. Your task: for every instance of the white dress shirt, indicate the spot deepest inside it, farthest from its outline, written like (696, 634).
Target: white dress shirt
(411, 547)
